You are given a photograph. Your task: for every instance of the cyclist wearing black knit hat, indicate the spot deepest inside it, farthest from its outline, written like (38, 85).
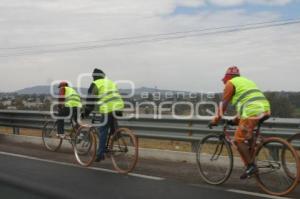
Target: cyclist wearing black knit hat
(103, 94)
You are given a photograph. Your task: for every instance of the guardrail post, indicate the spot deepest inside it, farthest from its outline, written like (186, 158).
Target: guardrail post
(274, 151)
(195, 145)
(16, 131)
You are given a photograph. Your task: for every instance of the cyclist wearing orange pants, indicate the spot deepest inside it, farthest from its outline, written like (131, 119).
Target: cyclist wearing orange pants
(251, 106)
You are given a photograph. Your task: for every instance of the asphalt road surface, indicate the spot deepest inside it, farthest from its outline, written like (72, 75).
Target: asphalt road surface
(32, 172)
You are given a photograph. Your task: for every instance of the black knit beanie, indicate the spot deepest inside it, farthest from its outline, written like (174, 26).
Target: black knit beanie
(98, 74)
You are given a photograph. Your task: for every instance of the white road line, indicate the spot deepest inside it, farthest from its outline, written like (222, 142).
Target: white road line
(97, 169)
(130, 174)
(255, 194)
(77, 166)
(146, 176)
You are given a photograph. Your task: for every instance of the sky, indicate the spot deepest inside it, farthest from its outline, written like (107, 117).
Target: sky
(169, 44)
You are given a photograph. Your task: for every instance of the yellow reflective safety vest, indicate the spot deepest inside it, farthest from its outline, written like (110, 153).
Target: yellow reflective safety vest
(109, 98)
(248, 99)
(72, 98)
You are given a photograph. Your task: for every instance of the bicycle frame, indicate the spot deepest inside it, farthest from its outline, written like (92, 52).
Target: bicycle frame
(74, 127)
(252, 143)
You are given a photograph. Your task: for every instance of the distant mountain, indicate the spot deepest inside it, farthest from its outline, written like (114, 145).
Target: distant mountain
(44, 89)
(34, 90)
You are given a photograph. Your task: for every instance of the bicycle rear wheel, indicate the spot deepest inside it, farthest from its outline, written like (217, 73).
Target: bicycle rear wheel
(123, 149)
(272, 177)
(85, 145)
(215, 159)
(290, 169)
(50, 140)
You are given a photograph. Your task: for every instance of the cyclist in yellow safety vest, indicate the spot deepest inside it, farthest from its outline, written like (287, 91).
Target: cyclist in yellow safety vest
(104, 94)
(251, 106)
(69, 106)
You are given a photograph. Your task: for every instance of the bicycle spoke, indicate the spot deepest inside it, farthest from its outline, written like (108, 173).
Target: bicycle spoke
(214, 159)
(50, 140)
(85, 146)
(272, 176)
(124, 150)
(270, 165)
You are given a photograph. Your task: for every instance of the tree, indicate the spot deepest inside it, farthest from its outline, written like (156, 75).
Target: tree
(280, 104)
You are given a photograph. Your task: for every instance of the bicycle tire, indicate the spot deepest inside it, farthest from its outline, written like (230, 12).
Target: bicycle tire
(85, 146)
(52, 143)
(123, 149)
(72, 140)
(205, 157)
(267, 163)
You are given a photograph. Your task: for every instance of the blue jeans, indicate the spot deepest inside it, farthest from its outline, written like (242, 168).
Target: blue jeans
(65, 112)
(108, 125)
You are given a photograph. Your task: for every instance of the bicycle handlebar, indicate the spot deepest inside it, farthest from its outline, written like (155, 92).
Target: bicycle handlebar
(225, 122)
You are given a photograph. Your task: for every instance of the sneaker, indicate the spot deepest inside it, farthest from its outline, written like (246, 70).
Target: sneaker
(251, 169)
(99, 158)
(62, 136)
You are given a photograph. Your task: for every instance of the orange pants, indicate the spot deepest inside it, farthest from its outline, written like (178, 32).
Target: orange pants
(245, 129)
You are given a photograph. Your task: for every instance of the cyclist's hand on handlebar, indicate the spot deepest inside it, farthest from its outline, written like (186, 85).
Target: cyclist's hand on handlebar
(211, 125)
(214, 122)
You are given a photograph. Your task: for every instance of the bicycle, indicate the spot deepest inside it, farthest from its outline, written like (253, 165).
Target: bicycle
(215, 160)
(81, 137)
(121, 147)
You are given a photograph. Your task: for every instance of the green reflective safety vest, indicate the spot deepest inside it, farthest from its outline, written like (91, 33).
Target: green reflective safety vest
(248, 99)
(72, 98)
(109, 98)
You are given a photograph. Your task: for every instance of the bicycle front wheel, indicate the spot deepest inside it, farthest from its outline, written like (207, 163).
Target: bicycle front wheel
(85, 145)
(49, 136)
(123, 149)
(272, 177)
(215, 159)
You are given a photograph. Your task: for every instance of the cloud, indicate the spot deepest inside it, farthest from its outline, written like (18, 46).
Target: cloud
(121, 7)
(271, 2)
(240, 2)
(190, 3)
(111, 7)
(227, 2)
(194, 63)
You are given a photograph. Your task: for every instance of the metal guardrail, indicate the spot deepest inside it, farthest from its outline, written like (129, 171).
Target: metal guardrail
(145, 126)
